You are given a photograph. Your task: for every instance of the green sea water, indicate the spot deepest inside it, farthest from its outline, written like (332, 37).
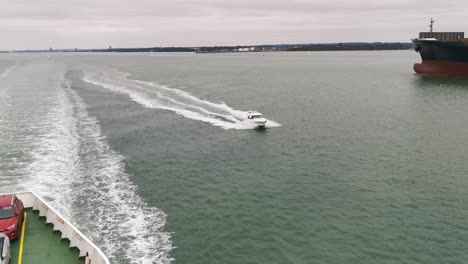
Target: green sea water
(366, 162)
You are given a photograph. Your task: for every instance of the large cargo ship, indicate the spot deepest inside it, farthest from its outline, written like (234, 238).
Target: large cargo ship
(442, 53)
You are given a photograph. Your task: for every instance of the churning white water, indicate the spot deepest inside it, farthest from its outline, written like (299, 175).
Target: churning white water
(51, 145)
(154, 95)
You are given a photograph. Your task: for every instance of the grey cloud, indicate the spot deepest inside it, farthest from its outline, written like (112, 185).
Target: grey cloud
(88, 23)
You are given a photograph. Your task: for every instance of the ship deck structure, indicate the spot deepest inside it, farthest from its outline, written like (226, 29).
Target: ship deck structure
(442, 53)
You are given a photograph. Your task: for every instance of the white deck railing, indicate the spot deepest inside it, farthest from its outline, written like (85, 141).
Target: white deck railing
(92, 254)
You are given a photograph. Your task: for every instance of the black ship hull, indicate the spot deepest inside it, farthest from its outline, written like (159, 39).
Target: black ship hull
(442, 58)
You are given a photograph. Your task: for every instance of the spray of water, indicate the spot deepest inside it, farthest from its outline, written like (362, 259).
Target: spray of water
(55, 148)
(127, 228)
(154, 95)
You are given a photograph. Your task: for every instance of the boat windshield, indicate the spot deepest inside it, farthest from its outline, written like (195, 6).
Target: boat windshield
(6, 212)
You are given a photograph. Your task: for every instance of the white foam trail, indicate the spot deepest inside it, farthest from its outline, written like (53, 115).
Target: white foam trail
(55, 153)
(8, 70)
(52, 146)
(4, 105)
(129, 230)
(4, 98)
(154, 95)
(42, 143)
(5, 181)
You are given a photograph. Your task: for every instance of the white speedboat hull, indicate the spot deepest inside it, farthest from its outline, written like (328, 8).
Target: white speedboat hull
(256, 119)
(260, 123)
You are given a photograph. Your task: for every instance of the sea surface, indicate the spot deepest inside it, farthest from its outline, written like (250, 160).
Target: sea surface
(362, 161)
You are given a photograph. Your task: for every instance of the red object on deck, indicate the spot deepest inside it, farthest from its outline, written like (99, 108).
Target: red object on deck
(11, 215)
(442, 68)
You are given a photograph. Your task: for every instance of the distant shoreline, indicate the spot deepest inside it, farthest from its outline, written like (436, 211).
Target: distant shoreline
(342, 46)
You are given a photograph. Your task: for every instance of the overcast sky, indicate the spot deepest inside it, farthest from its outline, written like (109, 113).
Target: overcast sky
(146, 23)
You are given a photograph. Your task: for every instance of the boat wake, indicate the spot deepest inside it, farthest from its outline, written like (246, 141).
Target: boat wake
(154, 95)
(8, 70)
(127, 228)
(51, 145)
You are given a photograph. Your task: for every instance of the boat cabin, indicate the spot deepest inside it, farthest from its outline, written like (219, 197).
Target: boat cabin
(254, 115)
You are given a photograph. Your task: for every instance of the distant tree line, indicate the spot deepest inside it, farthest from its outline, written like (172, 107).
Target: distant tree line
(310, 47)
(158, 49)
(353, 46)
(154, 49)
(254, 48)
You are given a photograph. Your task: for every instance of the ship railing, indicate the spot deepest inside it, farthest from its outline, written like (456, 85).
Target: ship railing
(88, 250)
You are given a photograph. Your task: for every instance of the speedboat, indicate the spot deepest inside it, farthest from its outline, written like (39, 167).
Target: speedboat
(256, 118)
